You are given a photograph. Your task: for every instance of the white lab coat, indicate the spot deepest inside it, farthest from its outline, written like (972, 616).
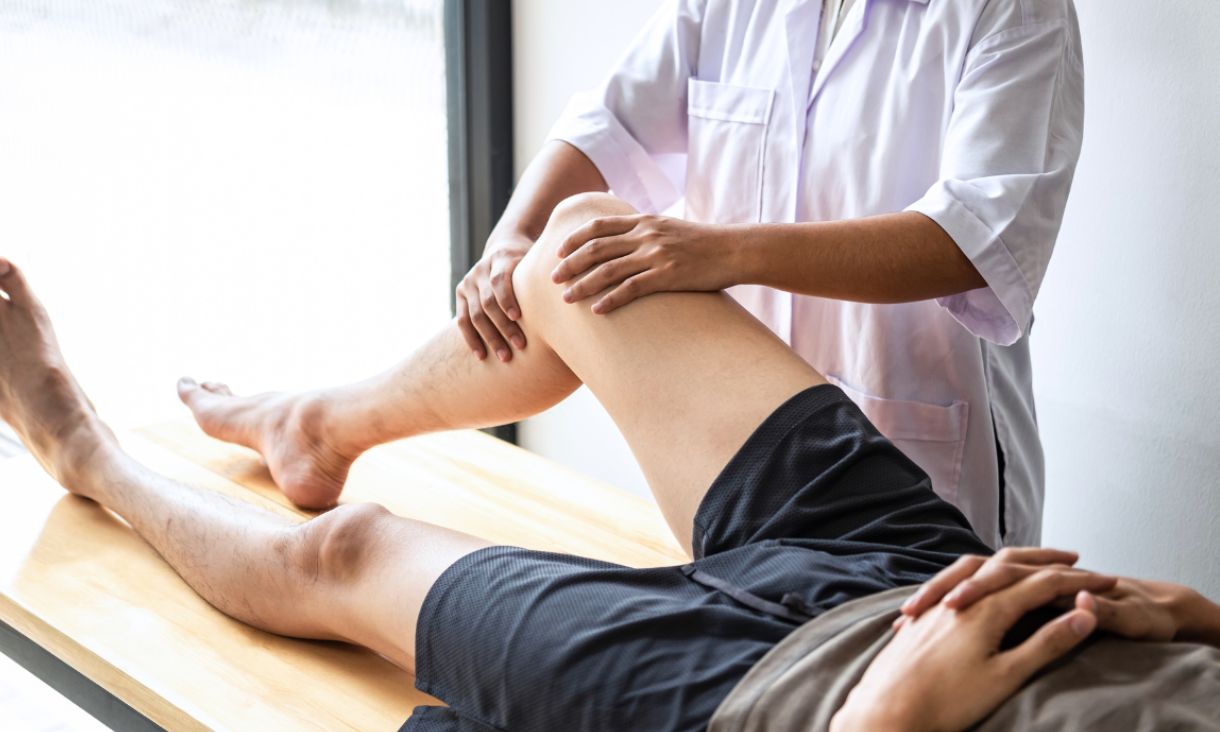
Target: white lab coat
(968, 111)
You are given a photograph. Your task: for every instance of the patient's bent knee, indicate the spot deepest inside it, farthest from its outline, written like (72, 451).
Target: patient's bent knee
(575, 210)
(532, 278)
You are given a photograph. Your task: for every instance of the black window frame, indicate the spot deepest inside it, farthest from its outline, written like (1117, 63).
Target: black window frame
(479, 89)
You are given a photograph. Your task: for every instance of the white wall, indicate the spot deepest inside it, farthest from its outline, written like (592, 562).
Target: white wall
(1128, 341)
(1128, 335)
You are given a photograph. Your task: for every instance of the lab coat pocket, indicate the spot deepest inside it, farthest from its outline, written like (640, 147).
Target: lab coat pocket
(933, 436)
(726, 142)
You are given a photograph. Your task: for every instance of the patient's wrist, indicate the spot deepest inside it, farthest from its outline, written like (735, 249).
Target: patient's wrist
(856, 717)
(1199, 619)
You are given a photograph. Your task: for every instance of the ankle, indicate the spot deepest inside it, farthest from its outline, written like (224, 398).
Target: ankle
(84, 452)
(326, 418)
(350, 419)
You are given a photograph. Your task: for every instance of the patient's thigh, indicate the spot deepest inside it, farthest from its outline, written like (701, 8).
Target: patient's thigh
(685, 376)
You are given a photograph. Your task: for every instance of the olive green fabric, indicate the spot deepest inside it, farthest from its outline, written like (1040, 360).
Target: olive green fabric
(1106, 684)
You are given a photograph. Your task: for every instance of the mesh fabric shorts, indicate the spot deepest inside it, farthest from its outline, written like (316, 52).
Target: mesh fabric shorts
(816, 509)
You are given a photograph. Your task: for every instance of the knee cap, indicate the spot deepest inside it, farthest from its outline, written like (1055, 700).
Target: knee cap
(533, 275)
(342, 537)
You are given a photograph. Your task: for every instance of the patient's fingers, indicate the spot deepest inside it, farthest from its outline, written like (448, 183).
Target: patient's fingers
(1036, 555)
(934, 589)
(1131, 617)
(969, 565)
(1051, 642)
(994, 578)
(1043, 587)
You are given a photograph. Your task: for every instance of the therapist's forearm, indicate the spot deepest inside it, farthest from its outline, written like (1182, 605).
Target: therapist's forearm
(558, 170)
(901, 257)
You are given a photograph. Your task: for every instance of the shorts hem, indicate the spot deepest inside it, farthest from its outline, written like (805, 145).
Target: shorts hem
(427, 611)
(786, 418)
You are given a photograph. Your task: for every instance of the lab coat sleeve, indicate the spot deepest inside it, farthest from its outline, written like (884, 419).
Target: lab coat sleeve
(633, 127)
(1011, 148)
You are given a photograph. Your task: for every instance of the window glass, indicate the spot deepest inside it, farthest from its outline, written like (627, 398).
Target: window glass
(251, 191)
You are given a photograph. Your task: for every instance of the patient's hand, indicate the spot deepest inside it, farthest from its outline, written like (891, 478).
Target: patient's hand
(945, 671)
(1136, 609)
(1155, 611)
(972, 577)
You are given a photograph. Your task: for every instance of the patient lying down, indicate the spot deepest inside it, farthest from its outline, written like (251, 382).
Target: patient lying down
(829, 587)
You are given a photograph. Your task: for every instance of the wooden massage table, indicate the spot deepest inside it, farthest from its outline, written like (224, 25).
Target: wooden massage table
(90, 608)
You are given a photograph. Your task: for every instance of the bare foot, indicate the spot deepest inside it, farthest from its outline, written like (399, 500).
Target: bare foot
(39, 397)
(308, 461)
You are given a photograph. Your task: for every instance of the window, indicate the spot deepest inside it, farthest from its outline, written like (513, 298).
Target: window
(255, 192)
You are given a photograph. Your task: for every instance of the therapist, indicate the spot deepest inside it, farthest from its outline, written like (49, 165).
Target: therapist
(880, 181)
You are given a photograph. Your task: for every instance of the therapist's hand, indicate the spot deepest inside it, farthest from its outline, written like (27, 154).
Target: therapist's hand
(626, 257)
(487, 309)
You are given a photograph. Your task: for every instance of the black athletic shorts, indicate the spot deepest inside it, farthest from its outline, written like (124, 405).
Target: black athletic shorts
(816, 509)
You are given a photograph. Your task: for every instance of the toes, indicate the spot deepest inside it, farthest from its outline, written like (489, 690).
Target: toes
(216, 411)
(202, 404)
(187, 389)
(192, 392)
(13, 284)
(195, 395)
(217, 388)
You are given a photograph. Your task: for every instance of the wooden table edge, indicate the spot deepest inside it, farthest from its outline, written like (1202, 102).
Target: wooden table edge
(40, 649)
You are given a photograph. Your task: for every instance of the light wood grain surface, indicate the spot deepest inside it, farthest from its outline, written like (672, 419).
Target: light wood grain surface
(77, 580)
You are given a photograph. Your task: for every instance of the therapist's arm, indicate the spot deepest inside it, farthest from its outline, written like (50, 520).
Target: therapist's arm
(900, 257)
(487, 308)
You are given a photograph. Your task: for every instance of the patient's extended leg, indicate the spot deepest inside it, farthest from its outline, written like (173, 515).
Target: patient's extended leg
(357, 573)
(686, 376)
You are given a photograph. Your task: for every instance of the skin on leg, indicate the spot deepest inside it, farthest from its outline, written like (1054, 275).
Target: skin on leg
(310, 440)
(356, 574)
(687, 376)
(678, 372)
